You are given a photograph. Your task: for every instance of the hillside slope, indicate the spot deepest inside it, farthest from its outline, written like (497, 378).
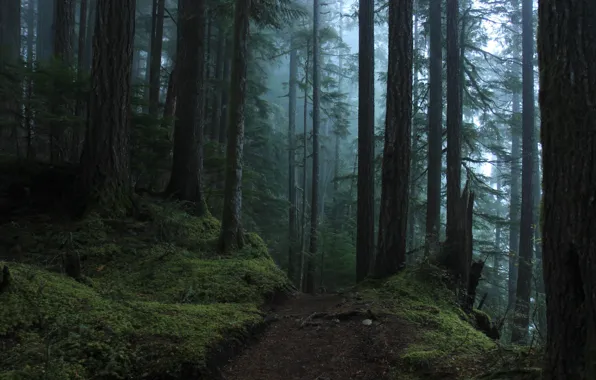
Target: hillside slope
(155, 302)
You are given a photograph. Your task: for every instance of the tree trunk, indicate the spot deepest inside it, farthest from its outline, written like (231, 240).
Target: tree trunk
(316, 120)
(63, 51)
(567, 52)
(231, 229)
(291, 160)
(391, 256)
(105, 178)
(90, 27)
(515, 187)
(187, 162)
(453, 255)
(80, 107)
(366, 136)
(304, 168)
(225, 95)
(521, 318)
(435, 144)
(45, 34)
(155, 68)
(169, 109)
(220, 88)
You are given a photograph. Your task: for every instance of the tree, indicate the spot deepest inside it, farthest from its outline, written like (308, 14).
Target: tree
(155, 64)
(316, 120)
(391, 255)
(231, 229)
(366, 134)
(566, 52)
(435, 129)
(526, 248)
(105, 179)
(292, 99)
(187, 161)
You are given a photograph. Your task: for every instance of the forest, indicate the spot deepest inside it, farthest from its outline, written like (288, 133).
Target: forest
(297, 189)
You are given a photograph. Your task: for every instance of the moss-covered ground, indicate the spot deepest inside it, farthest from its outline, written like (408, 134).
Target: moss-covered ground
(155, 300)
(445, 343)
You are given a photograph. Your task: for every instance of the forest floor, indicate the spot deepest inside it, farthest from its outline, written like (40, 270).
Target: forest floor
(328, 337)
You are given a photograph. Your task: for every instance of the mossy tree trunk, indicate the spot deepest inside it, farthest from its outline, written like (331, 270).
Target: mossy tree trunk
(231, 229)
(187, 163)
(105, 174)
(567, 52)
(391, 254)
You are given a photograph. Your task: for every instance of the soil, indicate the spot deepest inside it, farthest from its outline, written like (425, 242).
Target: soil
(323, 338)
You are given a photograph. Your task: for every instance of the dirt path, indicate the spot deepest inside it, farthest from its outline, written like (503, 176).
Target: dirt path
(323, 338)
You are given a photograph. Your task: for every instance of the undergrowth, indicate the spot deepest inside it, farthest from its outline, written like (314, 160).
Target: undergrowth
(156, 299)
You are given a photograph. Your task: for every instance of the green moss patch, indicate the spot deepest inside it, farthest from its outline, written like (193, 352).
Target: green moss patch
(446, 342)
(156, 299)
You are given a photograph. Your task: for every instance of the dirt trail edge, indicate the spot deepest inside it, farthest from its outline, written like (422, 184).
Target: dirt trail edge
(327, 337)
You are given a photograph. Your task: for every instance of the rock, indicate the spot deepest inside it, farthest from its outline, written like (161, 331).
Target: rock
(367, 322)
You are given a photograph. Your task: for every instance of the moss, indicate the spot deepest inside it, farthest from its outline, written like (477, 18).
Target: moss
(154, 299)
(445, 339)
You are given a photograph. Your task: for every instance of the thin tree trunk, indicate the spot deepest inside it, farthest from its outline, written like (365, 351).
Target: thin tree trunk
(225, 95)
(304, 168)
(80, 107)
(291, 160)
(231, 229)
(366, 135)
(435, 115)
(155, 67)
(316, 120)
(219, 88)
(521, 319)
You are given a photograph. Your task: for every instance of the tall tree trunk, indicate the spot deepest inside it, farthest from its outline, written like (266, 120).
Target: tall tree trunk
(231, 229)
(45, 34)
(105, 177)
(567, 52)
(366, 136)
(452, 255)
(80, 107)
(304, 168)
(169, 109)
(521, 318)
(63, 51)
(291, 159)
(187, 161)
(219, 88)
(90, 27)
(515, 186)
(155, 68)
(316, 120)
(225, 95)
(29, 114)
(391, 256)
(435, 145)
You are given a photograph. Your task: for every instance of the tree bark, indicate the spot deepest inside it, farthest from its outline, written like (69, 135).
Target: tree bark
(391, 256)
(105, 177)
(567, 52)
(231, 229)
(220, 88)
(187, 161)
(365, 228)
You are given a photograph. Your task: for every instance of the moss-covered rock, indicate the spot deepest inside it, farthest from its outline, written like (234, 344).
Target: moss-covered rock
(155, 299)
(446, 342)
